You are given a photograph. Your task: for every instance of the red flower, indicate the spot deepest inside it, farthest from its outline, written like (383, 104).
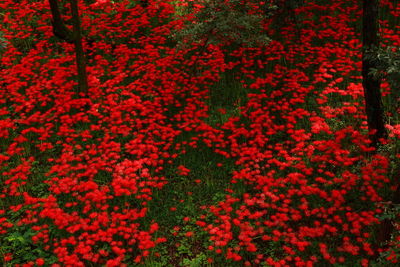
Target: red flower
(40, 261)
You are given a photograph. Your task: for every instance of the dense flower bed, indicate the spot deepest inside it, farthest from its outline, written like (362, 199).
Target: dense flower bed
(78, 173)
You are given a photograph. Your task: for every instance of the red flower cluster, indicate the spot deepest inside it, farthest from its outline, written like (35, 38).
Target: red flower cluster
(298, 140)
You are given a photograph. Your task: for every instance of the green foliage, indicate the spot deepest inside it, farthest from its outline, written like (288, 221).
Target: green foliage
(222, 21)
(387, 62)
(386, 258)
(198, 261)
(3, 41)
(390, 213)
(19, 243)
(387, 65)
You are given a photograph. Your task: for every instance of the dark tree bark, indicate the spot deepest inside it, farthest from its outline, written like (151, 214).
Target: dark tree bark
(144, 3)
(80, 56)
(371, 85)
(373, 102)
(74, 36)
(59, 28)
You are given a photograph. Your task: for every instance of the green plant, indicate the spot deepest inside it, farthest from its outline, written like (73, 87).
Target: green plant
(388, 66)
(221, 21)
(391, 255)
(19, 243)
(198, 261)
(3, 41)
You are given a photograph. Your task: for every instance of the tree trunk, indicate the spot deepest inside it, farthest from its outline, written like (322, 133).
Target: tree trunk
(75, 37)
(372, 93)
(59, 28)
(80, 56)
(144, 3)
(373, 102)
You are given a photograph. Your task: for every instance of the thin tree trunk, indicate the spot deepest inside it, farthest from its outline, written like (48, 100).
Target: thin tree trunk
(80, 56)
(59, 28)
(372, 92)
(373, 101)
(144, 3)
(74, 36)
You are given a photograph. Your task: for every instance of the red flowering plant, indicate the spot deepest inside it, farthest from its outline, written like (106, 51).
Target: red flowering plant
(98, 166)
(125, 173)
(304, 205)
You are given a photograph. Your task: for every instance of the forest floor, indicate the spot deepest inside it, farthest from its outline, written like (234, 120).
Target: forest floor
(233, 156)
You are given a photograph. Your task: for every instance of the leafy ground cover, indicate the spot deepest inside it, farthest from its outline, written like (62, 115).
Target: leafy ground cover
(216, 156)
